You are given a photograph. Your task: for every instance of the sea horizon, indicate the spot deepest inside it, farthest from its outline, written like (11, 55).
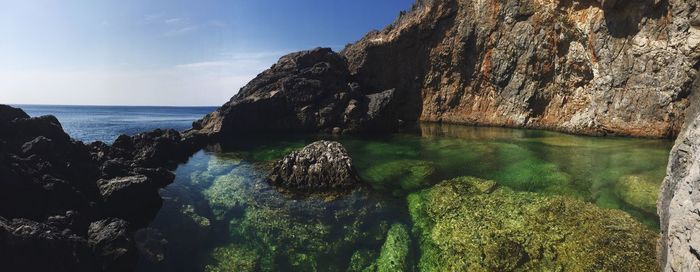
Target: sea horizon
(89, 123)
(104, 105)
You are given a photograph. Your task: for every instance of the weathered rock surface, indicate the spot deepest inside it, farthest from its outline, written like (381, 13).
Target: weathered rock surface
(679, 198)
(304, 92)
(112, 243)
(56, 193)
(134, 198)
(321, 165)
(585, 67)
(28, 245)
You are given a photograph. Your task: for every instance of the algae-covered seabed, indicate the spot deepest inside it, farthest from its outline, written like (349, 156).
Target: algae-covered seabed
(514, 200)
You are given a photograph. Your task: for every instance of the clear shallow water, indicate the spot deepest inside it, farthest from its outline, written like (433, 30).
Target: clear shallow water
(221, 213)
(106, 123)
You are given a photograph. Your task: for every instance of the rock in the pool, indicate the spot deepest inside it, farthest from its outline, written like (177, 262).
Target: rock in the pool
(321, 165)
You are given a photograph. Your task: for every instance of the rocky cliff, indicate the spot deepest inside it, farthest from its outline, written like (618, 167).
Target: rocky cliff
(679, 198)
(586, 67)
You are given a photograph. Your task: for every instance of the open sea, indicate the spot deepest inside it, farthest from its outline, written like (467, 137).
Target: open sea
(106, 123)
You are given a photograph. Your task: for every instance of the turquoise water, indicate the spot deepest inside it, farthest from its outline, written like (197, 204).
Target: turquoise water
(220, 213)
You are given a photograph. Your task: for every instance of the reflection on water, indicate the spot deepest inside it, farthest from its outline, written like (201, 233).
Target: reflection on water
(220, 213)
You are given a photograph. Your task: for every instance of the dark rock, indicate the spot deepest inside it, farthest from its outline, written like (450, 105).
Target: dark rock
(49, 193)
(320, 165)
(151, 244)
(114, 168)
(160, 176)
(31, 246)
(306, 91)
(134, 198)
(40, 145)
(8, 113)
(47, 126)
(112, 243)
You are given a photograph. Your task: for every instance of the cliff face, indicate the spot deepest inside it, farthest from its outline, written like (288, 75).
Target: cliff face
(679, 198)
(587, 67)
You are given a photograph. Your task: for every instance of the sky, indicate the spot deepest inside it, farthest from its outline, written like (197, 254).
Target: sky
(164, 52)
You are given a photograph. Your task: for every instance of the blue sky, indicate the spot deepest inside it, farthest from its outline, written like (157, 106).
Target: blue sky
(164, 52)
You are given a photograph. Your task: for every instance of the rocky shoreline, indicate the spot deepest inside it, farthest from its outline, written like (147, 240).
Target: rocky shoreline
(68, 206)
(585, 67)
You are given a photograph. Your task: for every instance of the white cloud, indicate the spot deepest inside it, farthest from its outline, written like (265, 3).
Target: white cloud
(173, 21)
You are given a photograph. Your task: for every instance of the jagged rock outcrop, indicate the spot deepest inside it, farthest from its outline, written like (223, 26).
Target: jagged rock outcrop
(585, 67)
(304, 92)
(678, 201)
(66, 206)
(321, 165)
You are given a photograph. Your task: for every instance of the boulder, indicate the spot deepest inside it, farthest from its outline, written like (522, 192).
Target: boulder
(321, 165)
(111, 241)
(134, 198)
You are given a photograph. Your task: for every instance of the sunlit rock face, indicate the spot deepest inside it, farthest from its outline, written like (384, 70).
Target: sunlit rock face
(588, 67)
(679, 197)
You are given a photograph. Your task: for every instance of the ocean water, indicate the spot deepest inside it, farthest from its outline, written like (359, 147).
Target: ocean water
(221, 215)
(106, 123)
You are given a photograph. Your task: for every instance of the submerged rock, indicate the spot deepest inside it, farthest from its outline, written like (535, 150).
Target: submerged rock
(288, 233)
(401, 175)
(638, 191)
(234, 258)
(396, 251)
(321, 165)
(468, 224)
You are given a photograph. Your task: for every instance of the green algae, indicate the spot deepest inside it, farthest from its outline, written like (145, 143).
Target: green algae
(363, 260)
(227, 193)
(234, 258)
(395, 254)
(522, 170)
(462, 227)
(481, 226)
(276, 151)
(407, 175)
(188, 210)
(638, 191)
